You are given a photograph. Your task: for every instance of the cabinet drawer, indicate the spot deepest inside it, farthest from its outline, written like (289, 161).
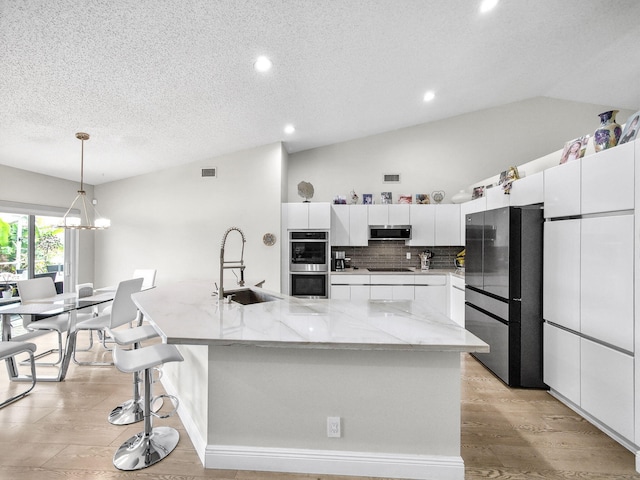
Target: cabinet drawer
(606, 380)
(561, 365)
(349, 279)
(433, 280)
(392, 279)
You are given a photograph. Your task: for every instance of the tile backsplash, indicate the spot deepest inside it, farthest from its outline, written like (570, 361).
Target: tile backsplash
(393, 253)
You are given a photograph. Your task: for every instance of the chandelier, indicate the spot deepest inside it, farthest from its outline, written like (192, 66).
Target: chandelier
(89, 218)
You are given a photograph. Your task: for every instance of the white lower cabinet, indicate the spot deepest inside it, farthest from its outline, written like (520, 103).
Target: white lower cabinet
(456, 300)
(341, 292)
(360, 292)
(392, 292)
(606, 380)
(434, 295)
(561, 364)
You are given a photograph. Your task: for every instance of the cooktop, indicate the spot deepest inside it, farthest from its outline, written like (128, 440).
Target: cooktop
(389, 269)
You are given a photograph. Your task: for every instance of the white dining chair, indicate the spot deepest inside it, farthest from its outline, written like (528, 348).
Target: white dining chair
(123, 312)
(35, 289)
(10, 349)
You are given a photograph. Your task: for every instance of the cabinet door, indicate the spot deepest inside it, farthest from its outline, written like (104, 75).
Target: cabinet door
(340, 225)
(434, 295)
(528, 190)
(496, 198)
(358, 227)
(456, 304)
(606, 378)
(399, 215)
(297, 216)
(608, 180)
(607, 279)
(381, 292)
(561, 273)
(378, 214)
(340, 292)
(403, 292)
(360, 292)
(562, 190)
(320, 216)
(561, 364)
(423, 225)
(447, 227)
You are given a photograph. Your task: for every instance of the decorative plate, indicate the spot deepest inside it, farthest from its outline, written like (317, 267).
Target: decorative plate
(269, 239)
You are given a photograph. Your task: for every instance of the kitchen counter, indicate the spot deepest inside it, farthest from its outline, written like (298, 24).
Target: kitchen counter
(259, 382)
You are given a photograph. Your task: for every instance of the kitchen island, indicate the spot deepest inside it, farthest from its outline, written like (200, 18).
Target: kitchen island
(260, 382)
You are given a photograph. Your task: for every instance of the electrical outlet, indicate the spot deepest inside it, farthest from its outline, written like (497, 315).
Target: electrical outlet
(408, 255)
(334, 429)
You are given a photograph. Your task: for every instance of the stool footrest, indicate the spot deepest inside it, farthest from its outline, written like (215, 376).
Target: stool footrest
(173, 399)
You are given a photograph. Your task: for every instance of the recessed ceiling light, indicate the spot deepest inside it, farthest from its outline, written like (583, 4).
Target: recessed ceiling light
(262, 64)
(430, 95)
(289, 129)
(487, 5)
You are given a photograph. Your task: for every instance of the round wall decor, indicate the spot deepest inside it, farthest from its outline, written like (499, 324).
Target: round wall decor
(269, 239)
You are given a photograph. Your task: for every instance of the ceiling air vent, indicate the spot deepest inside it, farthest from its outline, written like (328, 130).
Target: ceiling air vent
(391, 178)
(209, 172)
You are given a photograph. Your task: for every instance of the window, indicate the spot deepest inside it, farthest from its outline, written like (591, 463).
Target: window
(32, 244)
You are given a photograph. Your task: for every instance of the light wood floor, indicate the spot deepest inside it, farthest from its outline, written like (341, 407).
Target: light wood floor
(60, 431)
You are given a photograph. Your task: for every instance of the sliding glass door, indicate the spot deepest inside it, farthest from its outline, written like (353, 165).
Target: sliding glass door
(33, 245)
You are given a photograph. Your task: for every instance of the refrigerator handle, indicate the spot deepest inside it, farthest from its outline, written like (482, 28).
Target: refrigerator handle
(516, 299)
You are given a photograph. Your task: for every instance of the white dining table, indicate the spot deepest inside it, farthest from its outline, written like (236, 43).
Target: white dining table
(65, 303)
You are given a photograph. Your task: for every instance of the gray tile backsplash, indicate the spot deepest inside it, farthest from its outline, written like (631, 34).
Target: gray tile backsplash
(393, 253)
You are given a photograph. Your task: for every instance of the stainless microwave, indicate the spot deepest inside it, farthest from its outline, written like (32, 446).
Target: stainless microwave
(389, 232)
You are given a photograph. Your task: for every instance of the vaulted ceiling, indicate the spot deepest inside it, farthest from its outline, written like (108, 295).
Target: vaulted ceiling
(158, 83)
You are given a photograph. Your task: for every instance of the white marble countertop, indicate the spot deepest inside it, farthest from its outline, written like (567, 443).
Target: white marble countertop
(188, 313)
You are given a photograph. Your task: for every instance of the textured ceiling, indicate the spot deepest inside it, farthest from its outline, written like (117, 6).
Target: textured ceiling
(159, 83)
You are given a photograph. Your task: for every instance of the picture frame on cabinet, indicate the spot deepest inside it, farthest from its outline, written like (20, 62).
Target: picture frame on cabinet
(405, 198)
(478, 192)
(574, 149)
(386, 198)
(422, 199)
(630, 132)
(367, 198)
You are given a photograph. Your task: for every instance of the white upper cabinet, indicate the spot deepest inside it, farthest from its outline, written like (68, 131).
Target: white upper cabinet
(305, 216)
(562, 190)
(358, 227)
(447, 225)
(608, 180)
(423, 225)
(496, 198)
(339, 225)
(528, 190)
(389, 214)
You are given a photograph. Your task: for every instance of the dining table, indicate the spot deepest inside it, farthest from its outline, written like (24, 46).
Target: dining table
(61, 304)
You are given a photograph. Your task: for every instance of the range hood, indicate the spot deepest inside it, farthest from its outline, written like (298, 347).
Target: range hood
(389, 232)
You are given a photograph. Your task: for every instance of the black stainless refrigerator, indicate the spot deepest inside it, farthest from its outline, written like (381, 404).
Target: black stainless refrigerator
(503, 296)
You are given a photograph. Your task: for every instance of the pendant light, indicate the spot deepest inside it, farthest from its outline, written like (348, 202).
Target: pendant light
(89, 218)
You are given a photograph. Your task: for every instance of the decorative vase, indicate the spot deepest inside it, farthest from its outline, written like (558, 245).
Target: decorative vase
(608, 134)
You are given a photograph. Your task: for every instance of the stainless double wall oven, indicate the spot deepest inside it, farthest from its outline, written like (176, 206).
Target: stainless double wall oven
(309, 264)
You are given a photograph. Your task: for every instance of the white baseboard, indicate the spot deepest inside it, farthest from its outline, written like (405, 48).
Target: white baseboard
(328, 462)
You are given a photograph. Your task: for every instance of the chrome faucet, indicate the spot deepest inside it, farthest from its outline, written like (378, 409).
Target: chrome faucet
(224, 264)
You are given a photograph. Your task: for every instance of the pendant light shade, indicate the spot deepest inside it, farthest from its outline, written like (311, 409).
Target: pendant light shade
(89, 217)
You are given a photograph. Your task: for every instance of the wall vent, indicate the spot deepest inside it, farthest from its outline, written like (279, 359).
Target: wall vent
(209, 172)
(391, 178)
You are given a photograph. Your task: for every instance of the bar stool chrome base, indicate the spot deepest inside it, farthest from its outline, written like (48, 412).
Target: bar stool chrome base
(132, 411)
(141, 451)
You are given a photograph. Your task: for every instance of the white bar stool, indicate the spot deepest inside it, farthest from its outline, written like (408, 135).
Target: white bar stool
(132, 410)
(153, 444)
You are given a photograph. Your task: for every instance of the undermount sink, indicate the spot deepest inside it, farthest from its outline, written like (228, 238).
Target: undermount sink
(389, 269)
(246, 296)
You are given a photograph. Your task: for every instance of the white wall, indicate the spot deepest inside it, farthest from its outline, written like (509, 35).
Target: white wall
(173, 220)
(33, 188)
(449, 155)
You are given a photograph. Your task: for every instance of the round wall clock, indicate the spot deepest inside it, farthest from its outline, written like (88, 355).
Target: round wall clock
(269, 239)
